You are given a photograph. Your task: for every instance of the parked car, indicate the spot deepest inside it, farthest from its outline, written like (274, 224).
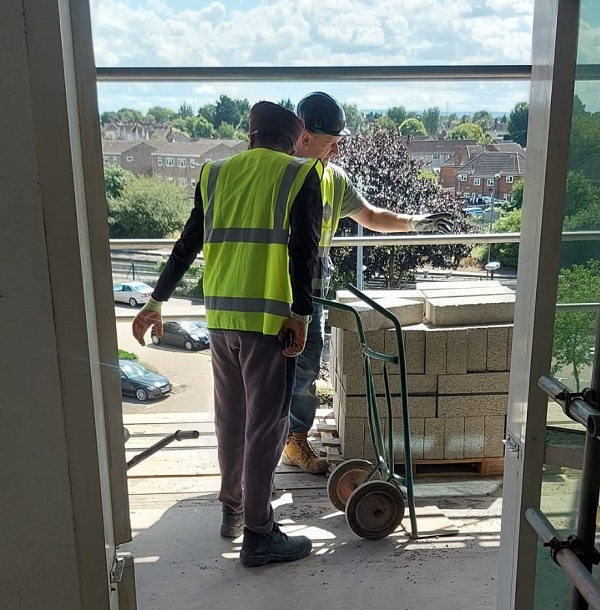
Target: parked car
(138, 381)
(134, 293)
(187, 334)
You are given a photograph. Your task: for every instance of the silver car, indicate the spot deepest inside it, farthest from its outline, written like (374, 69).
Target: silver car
(133, 293)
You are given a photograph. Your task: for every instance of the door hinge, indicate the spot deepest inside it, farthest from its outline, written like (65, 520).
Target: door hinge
(116, 572)
(511, 445)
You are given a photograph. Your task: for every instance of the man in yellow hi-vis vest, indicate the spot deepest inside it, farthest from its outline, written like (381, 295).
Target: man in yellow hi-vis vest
(325, 125)
(257, 217)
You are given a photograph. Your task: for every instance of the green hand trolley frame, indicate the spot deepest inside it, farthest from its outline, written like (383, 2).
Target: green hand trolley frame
(373, 496)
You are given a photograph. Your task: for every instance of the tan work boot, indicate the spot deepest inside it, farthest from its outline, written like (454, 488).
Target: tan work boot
(298, 452)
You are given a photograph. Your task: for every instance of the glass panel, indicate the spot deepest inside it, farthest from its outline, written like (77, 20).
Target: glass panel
(575, 331)
(310, 33)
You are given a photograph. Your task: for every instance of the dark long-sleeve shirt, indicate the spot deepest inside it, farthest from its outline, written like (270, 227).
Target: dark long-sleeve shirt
(305, 230)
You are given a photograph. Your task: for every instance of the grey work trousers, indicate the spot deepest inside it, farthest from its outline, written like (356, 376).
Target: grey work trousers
(253, 385)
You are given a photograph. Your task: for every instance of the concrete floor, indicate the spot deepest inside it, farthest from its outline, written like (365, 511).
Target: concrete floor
(183, 563)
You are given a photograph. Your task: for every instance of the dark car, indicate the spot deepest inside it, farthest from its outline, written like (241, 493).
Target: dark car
(187, 334)
(138, 381)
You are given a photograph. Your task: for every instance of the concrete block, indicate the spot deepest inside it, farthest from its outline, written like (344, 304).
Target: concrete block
(422, 384)
(497, 348)
(414, 349)
(435, 352)
(345, 296)
(477, 349)
(352, 437)
(457, 351)
(417, 434)
(417, 384)
(454, 438)
(474, 437)
(509, 347)
(352, 363)
(471, 405)
(457, 290)
(419, 406)
(491, 309)
(495, 430)
(464, 285)
(474, 383)
(407, 311)
(433, 442)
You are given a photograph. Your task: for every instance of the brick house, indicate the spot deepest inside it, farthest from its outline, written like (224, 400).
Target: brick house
(180, 162)
(433, 153)
(133, 156)
(489, 174)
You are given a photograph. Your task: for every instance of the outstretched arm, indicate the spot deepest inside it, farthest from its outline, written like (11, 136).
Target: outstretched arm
(384, 221)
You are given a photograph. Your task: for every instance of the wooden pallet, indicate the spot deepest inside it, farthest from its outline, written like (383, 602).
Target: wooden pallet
(325, 438)
(482, 466)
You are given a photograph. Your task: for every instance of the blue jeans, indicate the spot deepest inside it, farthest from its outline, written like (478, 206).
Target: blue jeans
(304, 399)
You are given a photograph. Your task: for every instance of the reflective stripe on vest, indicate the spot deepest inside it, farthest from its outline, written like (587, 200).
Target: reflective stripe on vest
(247, 201)
(332, 191)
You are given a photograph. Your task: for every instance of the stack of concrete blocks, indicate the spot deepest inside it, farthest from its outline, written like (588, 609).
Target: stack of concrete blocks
(457, 341)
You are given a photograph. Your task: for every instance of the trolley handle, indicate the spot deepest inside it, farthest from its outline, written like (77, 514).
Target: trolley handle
(186, 435)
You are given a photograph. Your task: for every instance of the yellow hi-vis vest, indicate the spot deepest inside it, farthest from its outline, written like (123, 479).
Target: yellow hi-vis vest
(247, 201)
(333, 186)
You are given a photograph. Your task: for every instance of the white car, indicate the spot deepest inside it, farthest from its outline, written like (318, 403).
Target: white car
(134, 293)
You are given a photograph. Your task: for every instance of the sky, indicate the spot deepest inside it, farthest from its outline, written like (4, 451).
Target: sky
(314, 33)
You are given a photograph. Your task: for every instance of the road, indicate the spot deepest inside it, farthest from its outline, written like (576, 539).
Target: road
(190, 373)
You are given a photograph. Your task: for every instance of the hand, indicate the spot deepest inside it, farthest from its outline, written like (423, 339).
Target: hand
(440, 221)
(143, 321)
(297, 331)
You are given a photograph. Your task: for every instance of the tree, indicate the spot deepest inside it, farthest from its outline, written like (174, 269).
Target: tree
(128, 114)
(431, 120)
(585, 138)
(354, 118)
(208, 112)
(483, 118)
(228, 110)
(397, 114)
(185, 110)
(507, 254)
(380, 166)
(580, 193)
(287, 103)
(226, 131)
(107, 117)
(161, 114)
(386, 123)
(467, 131)
(412, 127)
(517, 123)
(148, 208)
(579, 252)
(575, 332)
(516, 196)
(115, 180)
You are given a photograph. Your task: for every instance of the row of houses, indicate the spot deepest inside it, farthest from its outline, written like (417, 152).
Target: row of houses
(177, 162)
(468, 169)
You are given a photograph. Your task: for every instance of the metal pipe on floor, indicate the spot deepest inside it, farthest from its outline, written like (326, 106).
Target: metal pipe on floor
(567, 559)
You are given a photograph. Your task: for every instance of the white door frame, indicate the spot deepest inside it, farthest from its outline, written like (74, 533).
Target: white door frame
(554, 56)
(62, 460)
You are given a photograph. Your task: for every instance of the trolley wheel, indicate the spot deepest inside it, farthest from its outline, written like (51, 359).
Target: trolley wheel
(345, 478)
(375, 509)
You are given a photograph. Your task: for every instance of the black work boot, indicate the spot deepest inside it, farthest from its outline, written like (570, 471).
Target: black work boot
(232, 523)
(274, 547)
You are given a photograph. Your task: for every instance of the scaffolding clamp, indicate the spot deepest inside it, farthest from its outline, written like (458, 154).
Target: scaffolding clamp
(574, 544)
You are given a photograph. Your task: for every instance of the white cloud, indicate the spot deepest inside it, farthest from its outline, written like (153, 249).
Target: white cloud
(312, 33)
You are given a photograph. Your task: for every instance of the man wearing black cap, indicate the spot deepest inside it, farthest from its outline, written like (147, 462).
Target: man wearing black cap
(257, 217)
(324, 127)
